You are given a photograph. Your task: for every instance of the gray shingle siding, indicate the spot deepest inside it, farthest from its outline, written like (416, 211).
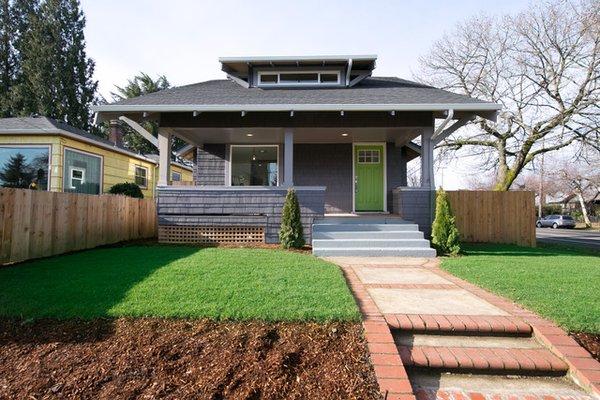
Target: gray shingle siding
(416, 205)
(210, 167)
(396, 170)
(328, 165)
(231, 207)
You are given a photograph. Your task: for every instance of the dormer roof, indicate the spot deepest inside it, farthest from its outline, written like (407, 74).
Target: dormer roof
(240, 69)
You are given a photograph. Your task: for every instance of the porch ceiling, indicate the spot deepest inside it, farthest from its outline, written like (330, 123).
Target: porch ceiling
(198, 136)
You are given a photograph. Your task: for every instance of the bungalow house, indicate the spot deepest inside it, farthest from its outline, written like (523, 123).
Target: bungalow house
(322, 125)
(59, 157)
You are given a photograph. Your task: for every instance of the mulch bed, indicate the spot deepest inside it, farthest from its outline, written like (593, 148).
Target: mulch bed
(179, 359)
(590, 342)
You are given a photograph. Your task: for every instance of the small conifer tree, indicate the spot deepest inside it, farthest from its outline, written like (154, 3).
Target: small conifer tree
(444, 233)
(291, 234)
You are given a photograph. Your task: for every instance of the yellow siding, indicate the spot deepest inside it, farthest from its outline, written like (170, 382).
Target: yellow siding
(186, 174)
(117, 167)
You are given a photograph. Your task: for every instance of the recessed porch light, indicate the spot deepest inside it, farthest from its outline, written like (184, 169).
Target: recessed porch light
(249, 134)
(344, 134)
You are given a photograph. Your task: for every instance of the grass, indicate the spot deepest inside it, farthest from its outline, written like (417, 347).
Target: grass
(185, 282)
(560, 283)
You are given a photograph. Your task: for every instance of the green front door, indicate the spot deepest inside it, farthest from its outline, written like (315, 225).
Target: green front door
(368, 179)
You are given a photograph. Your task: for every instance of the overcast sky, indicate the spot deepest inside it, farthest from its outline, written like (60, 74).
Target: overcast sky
(183, 39)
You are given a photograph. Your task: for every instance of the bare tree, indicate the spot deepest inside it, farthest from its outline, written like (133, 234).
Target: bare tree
(542, 66)
(580, 182)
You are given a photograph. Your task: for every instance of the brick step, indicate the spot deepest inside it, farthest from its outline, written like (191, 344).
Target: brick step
(460, 324)
(484, 360)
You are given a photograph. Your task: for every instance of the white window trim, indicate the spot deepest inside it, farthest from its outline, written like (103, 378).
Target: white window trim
(279, 83)
(36, 146)
(101, 185)
(135, 176)
(229, 180)
(71, 169)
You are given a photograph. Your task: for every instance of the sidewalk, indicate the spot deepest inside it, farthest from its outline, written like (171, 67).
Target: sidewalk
(435, 336)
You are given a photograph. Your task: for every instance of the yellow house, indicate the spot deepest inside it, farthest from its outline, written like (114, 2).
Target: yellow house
(55, 156)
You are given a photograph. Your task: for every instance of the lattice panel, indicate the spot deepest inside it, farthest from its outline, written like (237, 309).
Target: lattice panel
(211, 234)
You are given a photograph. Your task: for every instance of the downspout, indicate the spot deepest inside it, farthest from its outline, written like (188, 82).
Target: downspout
(439, 129)
(348, 72)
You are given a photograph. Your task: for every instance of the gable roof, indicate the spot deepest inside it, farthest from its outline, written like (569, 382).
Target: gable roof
(50, 126)
(371, 94)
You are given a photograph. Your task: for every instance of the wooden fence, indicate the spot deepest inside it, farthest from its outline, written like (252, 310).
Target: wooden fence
(39, 224)
(495, 217)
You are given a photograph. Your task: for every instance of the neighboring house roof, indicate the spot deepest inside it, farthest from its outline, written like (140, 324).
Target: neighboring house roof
(49, 126)
(371, 94)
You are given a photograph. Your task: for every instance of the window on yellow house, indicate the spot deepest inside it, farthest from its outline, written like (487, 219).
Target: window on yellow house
(175, 176)
(141, 177)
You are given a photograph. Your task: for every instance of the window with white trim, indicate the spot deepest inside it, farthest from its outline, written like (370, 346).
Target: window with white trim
(25, 166)
(368, 156)
(82, 172)
(299, 78)
(254, 165)
(77, 177)
(141, 176)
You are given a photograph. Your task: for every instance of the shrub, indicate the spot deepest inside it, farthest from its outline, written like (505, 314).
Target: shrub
(291, 233)
(128, 189)
(444, 234)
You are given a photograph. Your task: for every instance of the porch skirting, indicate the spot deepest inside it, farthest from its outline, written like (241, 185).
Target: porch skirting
(223, 206)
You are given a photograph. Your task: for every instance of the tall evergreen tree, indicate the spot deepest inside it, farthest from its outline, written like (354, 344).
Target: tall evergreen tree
(57, 74)
(7, 57)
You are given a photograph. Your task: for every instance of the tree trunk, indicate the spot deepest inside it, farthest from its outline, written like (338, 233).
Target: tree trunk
(586, 219)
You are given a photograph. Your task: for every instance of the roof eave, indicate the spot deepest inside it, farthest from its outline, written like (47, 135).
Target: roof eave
(116, 108)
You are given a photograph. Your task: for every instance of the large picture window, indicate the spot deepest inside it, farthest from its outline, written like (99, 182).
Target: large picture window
(254, 165)
(82, 172)
(24, 166)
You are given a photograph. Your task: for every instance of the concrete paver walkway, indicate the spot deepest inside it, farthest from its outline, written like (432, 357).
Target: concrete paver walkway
(428, 332)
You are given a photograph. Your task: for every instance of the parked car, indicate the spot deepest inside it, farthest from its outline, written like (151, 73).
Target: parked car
(556, 221)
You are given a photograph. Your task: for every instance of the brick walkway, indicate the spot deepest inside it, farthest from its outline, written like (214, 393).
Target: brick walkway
(434, 336)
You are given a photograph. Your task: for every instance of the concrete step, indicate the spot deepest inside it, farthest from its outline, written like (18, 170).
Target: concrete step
(374, 252)
(484, 360)
(375, 219)
(370, 243)
(323, 227)
(459, 324)
(369, 235)
(432, 385)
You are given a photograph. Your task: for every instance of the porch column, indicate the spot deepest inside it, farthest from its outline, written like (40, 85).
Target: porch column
(164, 157)
(427, 145)
(288, 158)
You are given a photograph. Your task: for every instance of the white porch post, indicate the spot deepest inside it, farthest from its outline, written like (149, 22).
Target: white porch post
(164, 157)
(288, 158)
(427, 180)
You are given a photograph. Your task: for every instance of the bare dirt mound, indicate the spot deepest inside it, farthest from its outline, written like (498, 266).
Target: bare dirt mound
(177, 359)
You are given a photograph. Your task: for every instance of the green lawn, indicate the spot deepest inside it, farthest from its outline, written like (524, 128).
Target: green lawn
(174, 281)
(562, 284)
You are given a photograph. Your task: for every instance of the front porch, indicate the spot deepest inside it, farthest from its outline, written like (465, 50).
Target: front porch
(242, 172)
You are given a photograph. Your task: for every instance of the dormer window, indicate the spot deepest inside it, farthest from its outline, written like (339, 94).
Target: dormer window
(298, 78)
(314, 72)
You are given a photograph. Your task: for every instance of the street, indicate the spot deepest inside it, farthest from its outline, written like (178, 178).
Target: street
(569, 236)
